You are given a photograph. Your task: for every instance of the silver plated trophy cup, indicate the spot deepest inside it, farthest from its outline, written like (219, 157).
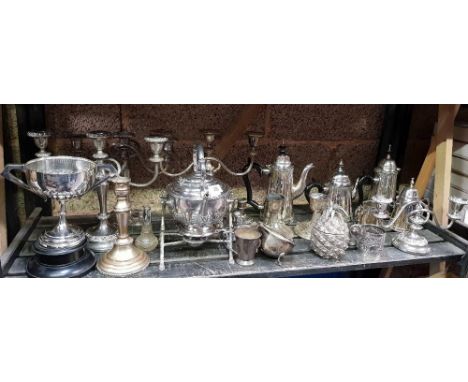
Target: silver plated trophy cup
(60, 252)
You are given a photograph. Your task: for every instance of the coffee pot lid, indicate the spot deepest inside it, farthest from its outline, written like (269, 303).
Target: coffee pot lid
(387, 164)
(283, 157)
(340, 179)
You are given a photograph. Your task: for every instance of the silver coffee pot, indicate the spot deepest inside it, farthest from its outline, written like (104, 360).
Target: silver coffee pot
(384, 184)
(340, 190)
(281, 182)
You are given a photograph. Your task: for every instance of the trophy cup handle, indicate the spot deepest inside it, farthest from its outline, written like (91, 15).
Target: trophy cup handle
(110, 170)
(6, 173)
(116, 163)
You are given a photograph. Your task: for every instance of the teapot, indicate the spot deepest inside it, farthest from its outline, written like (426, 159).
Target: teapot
(280, 182)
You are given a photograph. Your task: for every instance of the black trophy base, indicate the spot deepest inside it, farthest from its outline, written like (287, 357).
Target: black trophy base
(60, 263)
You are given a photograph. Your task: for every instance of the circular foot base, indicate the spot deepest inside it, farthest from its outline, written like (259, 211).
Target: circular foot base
(101, 243)
(45, 266)
(245, 263)
(123, 260)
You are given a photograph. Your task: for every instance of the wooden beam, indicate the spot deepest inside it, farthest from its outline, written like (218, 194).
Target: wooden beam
(3, 223)
(443, 161)
(235, 131)
(427, 168)
(438, 270)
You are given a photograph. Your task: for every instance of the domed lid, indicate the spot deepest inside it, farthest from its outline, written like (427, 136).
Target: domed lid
(198, 186)
(409, 194)
(283, 159)
(340, 179)
(387, 164)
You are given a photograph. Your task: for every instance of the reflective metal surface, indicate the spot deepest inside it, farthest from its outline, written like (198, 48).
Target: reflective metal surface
(340, 192)
(41, 139)
(317, 202)
(198, 202)
(330, 235)
(60, 178)
(146, 240)
(370, 239)
(101, 238)
(124, 258)
(248, 240)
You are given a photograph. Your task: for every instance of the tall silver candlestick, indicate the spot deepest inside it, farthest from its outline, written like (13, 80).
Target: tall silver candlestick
(101, 237)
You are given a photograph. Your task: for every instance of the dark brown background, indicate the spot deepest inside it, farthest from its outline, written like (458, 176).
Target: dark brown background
(322, 134)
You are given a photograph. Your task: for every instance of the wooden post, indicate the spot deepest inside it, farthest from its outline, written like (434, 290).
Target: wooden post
(443, 161)
(427, 168)
(3, 226)
(235, 131)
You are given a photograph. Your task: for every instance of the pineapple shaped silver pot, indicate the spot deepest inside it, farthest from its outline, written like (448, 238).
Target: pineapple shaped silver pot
(330, 235)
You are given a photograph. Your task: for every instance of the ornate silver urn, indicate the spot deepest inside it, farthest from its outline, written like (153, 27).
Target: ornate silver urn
(198, 202)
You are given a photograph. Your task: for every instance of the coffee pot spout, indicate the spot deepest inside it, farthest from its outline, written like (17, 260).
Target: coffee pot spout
(299, 187)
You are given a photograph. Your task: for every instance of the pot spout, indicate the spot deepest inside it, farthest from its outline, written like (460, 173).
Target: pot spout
(299, 187)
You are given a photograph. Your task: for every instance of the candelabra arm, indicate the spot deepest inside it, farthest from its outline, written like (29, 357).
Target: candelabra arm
(163, 171)
(140, 158)
(229, 170)
(403, 208)
(436, 222)
(150, 182)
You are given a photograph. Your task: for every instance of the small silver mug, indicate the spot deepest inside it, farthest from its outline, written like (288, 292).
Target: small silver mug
(248, 240)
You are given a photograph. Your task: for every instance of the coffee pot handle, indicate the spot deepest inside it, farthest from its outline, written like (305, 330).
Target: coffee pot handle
(6, 173)
(358, 188)
(116, 163)
(248, 185)
(309, 187)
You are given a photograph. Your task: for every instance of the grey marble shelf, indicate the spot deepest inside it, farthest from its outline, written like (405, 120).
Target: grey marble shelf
(212, 260)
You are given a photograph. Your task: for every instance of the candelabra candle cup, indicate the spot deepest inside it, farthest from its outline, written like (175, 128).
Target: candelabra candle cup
(456, 206)
(370, 239)
(248, 240)
(41, 139)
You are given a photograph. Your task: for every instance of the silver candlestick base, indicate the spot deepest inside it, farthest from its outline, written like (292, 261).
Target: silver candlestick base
(101, 238)
(124, 259)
